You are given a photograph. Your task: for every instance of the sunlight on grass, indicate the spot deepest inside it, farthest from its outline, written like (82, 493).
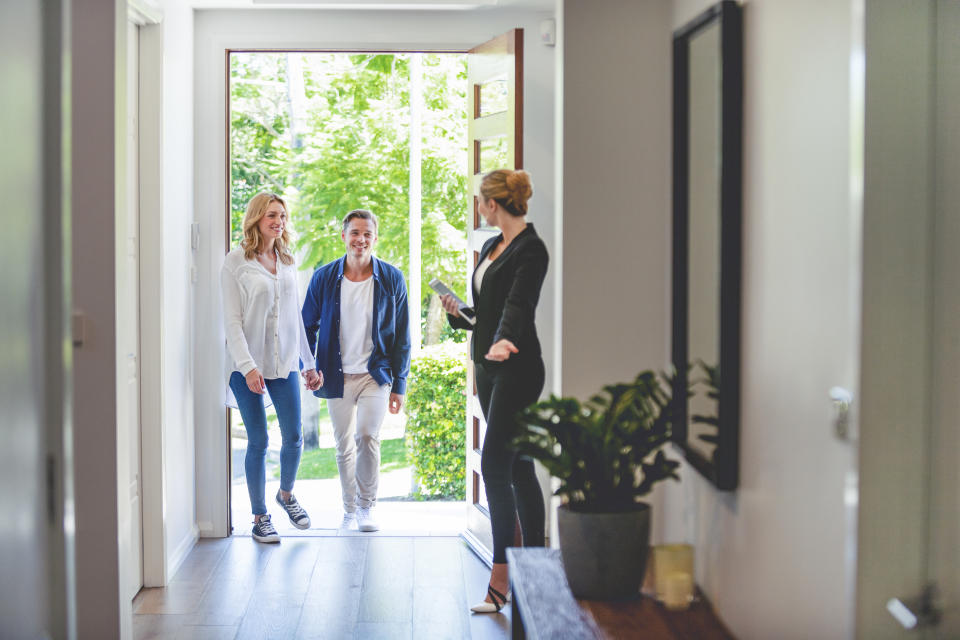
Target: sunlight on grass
(321, 464)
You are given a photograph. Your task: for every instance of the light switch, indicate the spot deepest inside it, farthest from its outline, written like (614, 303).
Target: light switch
(548, 32)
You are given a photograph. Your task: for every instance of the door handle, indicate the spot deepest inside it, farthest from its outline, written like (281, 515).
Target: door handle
(842, 400)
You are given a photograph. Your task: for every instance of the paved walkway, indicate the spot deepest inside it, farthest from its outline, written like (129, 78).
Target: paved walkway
(321, 499)
(396, 513)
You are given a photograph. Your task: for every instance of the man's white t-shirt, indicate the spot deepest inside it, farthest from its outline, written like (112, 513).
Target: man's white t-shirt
(356, 324)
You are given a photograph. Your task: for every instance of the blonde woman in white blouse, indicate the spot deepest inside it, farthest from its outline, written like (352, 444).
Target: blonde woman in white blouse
(267, 347)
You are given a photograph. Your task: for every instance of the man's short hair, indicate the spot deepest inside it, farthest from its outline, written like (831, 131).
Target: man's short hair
(363, 214)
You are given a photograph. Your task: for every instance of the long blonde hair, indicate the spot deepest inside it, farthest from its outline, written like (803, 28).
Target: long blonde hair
(253, 242)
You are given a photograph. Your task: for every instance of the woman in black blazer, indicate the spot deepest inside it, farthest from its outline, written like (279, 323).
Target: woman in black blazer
(508, 365)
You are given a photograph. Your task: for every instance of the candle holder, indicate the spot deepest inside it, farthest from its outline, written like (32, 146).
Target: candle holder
(673, 574)
(678, 591)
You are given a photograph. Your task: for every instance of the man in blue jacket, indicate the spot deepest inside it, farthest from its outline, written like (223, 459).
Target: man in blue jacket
(356, 318)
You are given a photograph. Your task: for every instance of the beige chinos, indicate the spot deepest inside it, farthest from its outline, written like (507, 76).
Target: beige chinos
(357, 418)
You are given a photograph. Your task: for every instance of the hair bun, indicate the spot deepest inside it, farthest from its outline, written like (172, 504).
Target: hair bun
(518, 183)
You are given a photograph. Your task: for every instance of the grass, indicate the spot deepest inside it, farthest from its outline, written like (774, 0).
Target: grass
(321, 464)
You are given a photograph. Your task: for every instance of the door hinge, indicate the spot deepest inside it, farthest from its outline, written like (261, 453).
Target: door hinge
(913, 613)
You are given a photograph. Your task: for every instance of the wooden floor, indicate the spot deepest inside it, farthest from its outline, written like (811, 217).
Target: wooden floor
(323, 587)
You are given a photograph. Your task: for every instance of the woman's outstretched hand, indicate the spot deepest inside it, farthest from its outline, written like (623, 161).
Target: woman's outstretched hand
(255, 382)
(450, 305)
(501, 350)
(312, 379)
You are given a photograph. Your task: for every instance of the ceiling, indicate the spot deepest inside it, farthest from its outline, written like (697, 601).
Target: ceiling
(429, 5)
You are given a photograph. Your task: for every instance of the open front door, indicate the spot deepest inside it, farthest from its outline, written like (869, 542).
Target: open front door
(129, 509)
(495, 74)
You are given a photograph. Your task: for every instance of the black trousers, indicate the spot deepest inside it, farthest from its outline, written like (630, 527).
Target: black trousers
(510, 480)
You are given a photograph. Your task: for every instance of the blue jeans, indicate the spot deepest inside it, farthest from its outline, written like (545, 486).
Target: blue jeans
(285, 393)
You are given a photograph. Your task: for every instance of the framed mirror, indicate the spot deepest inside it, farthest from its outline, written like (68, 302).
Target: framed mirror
(707, 126)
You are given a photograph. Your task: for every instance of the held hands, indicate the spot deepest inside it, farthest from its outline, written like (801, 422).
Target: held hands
(312, 379)
(501, 350)
(450, 305)
(396, 402)
(255, 382)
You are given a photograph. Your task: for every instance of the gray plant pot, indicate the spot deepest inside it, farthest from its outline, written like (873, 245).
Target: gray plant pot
(604, 554)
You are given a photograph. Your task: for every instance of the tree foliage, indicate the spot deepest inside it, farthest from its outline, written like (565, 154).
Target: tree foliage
(330, 132)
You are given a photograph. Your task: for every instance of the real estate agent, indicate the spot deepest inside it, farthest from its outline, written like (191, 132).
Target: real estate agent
(508, 365)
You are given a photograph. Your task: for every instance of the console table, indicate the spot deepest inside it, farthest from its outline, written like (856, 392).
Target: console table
(545, 609)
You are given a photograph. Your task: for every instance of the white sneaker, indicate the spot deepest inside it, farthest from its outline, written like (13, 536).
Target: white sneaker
(365, 520)
(349, 521)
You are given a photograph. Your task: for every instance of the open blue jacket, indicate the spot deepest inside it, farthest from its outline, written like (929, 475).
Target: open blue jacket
(390, 361)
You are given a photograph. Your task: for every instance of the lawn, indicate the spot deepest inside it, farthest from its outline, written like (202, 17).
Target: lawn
(321, 464)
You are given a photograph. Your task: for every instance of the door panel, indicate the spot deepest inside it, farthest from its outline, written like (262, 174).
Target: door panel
(943, 563)
(495, 74)
(128, 340)
(34, 555)
(909, 509)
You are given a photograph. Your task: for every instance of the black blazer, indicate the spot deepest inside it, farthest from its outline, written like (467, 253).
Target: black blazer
(506, 303)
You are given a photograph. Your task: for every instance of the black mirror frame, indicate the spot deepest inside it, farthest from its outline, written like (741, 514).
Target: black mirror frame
(723, 469)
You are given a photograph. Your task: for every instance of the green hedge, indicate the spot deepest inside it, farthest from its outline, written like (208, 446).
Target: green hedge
(436, 419)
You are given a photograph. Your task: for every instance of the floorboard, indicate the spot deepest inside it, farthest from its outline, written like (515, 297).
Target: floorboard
(334, 587)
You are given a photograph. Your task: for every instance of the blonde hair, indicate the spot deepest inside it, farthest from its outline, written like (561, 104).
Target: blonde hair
(253, 242)
(511, 189)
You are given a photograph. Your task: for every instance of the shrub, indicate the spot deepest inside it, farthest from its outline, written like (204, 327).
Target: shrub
(436, 419)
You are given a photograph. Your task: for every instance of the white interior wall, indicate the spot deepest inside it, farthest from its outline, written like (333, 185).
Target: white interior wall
(616, 191)
(178, 340)
(167, 393)
(217, 31)
(776, 557)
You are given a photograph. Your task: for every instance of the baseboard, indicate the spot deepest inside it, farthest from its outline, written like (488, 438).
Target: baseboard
(182, 551)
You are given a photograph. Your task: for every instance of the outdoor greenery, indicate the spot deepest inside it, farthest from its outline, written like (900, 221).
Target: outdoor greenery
(436, 418)
(321, 464)
(331, 132)
(607, 451)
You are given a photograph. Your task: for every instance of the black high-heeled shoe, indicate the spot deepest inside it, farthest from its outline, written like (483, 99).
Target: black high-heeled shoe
(491, 607)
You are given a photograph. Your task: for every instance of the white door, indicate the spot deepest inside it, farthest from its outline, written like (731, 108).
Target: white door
(128, 339)
(495, 135)
(908, 574)
(35, 581)
(943, 512)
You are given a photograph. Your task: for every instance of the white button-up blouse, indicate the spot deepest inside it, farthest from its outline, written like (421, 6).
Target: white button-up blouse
(261, 315)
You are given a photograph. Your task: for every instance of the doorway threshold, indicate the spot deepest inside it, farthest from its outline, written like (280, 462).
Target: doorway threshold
(397, 515)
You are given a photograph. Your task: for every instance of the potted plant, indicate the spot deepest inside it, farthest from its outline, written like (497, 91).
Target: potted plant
(607, 454)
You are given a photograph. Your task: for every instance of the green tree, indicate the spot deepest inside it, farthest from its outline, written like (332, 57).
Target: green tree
(331, 133)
